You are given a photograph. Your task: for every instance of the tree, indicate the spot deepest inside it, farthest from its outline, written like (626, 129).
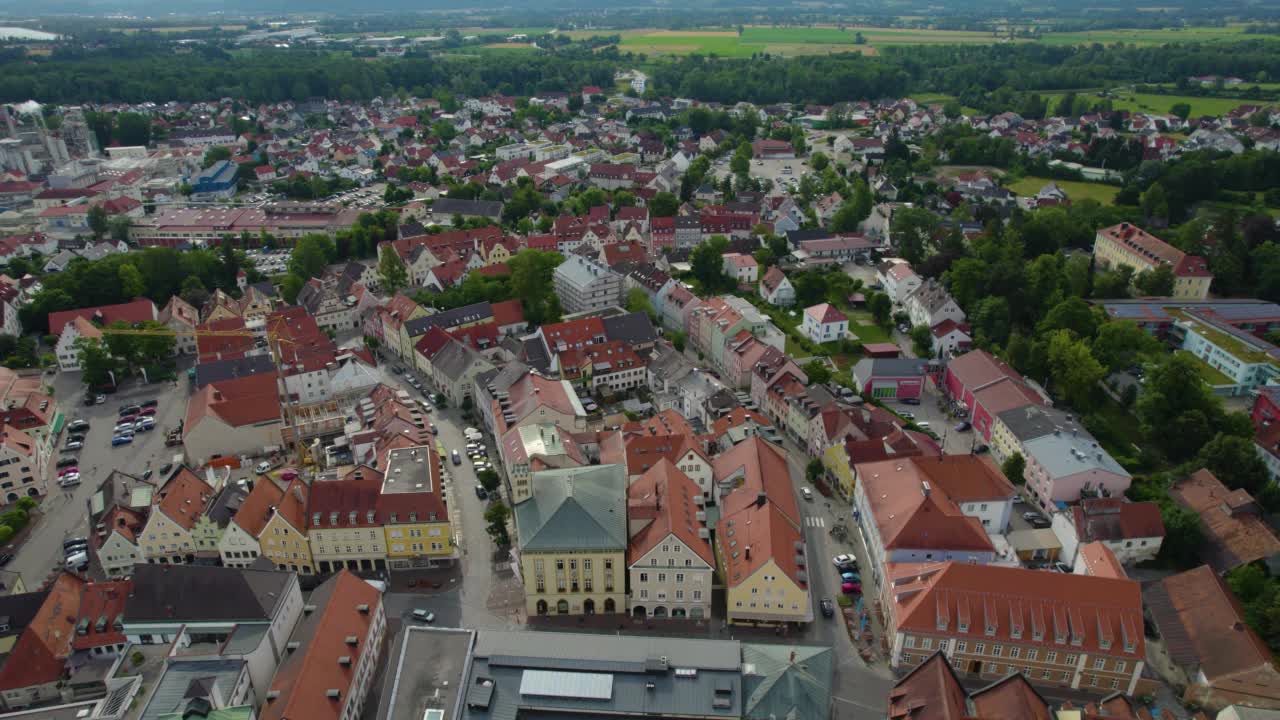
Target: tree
(707, 265)
(311, 254)
(740, 163)
(96, 364)
(1176, 408)
(1014, 467)
(817, 372)
(911, 231)
(132, 129)
(1155, 283)
(1236, 463)
(488, 480)
(1074, 370)
(1121, 343)
(194, 292)
(290, 286)
(677, 340)
(118, 228)
(230, 265)
(638, 301)
(1072, 314)
(496, 515)
(215, 155)
(1183, 535)
(922, 341)
(131, 283)
(819, 162)
(98, 222)
(1182, 110)
(881, 308)
(664, 204)
(392, 273)
(813, 471)
(531, 281)
(854, 210)
(1155, 202)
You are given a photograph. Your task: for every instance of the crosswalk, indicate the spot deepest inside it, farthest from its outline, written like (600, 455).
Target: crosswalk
(815, 521)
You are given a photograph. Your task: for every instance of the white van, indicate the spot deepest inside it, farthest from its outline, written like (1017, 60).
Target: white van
(78, 561)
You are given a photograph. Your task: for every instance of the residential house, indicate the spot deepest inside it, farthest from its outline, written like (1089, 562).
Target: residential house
(823, 323)
(932, 304)
(35, 667)
(1132, 531)
(572, 536)
(527, 449)
(950, 338)
(1217, 657)
(176, 506)
(283, 540)
(741, 267)
(670, 562)
(1062, 630)
(777, 289)
(898, 280)
(333, 655)
(760, 547)
(25, 471)
(241, 541)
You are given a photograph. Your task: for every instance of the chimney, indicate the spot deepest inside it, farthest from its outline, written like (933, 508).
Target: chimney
(748, 552)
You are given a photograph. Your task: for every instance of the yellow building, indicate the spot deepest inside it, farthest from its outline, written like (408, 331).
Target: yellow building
(283, 540)
(345, 530)
(836, 462)
(1130, 246)
(413, 509)
(572, 535)
(176, 508)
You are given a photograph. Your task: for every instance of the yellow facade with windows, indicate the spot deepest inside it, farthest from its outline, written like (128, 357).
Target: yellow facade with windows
(574, 583)
(836, 462)
(768, 595)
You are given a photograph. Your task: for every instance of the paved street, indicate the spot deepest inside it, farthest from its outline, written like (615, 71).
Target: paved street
(66, 510)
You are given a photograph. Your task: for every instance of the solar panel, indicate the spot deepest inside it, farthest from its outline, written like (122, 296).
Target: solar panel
(560, 684)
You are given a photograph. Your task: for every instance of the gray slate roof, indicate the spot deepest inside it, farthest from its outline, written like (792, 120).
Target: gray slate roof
(180, 593)
(575, 509)
(633, 328)
(787, 681)
(1034, 421)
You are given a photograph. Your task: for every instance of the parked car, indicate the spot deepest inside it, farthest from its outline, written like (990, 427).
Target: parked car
(262, 467)
(807, 493)
(852, 577)
(70, 544)
(150, 403)
(121, 440)
(79, 561)
(980, 449)
(845, 562)
(907, 415)
(481, 492)
(910, 401)
(457, 459)
(73, 446)
(1030, 516)
(1040, 523)
(5, 559)
(67, 470)
(69, 480)
(67, 462)
(78, 426)
(146, 475)
(425, 616)
(148, 411)
(851, 588)
(130, 410)
(828, 608)
(165, 468)
(963, 426)
(1062, 567)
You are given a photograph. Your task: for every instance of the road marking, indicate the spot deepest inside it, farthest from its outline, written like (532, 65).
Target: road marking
(815, 521)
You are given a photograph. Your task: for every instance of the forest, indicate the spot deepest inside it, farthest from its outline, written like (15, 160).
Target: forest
(143, 69)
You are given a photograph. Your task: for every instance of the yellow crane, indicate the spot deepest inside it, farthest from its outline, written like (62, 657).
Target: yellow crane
(274, 340)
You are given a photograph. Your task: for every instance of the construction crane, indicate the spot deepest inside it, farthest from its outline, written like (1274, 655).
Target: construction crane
(274, 341)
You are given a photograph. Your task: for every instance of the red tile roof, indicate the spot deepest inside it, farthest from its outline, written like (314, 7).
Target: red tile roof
(307, 674)
(257, 506)
(1235, 533)
(825, 313)
(666, 495)
(40, 654)
(240, 401)
(931, 691)
(134, 311)
(183, 498)
(102, 601)
(1076, 613)
(507, 312)
(346, 503)
(913, 512)
(757, 466)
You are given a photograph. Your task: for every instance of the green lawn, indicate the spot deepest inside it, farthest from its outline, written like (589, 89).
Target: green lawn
(1076, 190)
(1145, 36)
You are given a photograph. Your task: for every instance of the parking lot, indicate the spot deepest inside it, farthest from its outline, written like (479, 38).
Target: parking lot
(769, 169)
(65, 509)
(270, 262)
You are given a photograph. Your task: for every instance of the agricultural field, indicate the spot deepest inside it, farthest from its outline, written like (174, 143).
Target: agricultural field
(726, 42)
(1145, 102)
(186, 29)
(1076, 190)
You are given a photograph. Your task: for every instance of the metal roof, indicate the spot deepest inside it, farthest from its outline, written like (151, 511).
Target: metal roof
(562, 684)
(575, 508)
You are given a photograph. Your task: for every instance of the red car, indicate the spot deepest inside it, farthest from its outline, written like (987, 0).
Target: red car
(851, 588)
(126, 418)
(148, 411)
(68, 470)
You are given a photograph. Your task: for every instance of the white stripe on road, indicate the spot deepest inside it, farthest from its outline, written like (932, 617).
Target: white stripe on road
(815, 521)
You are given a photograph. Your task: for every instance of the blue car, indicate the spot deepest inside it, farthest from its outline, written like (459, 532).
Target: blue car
(850, 577)
(121, 440)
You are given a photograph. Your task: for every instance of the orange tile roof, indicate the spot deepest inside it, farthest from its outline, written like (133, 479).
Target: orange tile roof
(240, 401)
(965, 477)
(293, 504)
(255, 511)
(40, 654)
(931, 691)
(668, 495)
(307, 674)
(333, 502)
(1077, 613)
(1012, 698)
(754, 534)
(1234, 529)
(1099, 560)
(912, 512)
(756, 466)
(184, 498)
(738, 416)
